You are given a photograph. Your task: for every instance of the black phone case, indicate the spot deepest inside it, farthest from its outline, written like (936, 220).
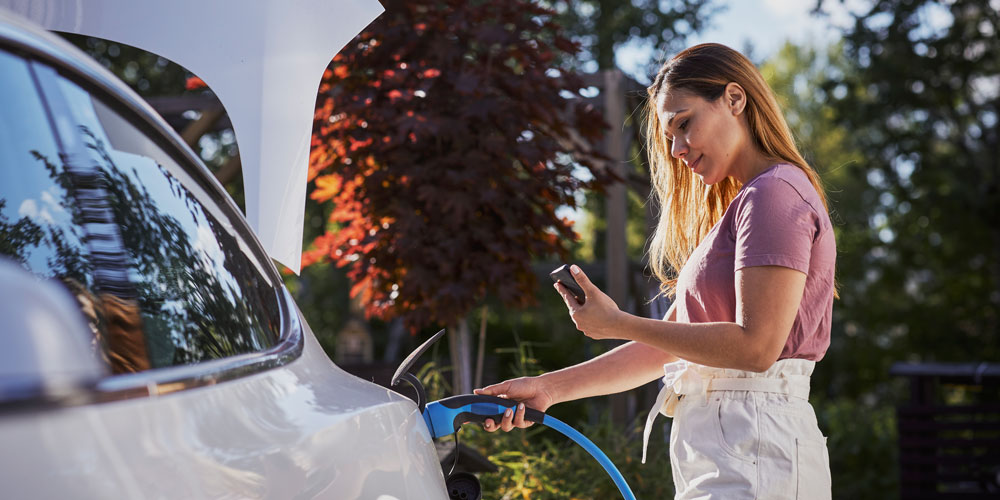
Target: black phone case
(562, 275)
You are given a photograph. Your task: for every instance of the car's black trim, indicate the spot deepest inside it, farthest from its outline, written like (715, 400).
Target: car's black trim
(33, 395)
(177, 378)
(74, 64)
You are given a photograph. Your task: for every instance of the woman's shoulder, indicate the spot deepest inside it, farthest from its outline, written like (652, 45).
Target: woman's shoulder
(784, 179)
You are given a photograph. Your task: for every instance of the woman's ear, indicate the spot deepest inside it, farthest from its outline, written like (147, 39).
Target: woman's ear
(735, 98)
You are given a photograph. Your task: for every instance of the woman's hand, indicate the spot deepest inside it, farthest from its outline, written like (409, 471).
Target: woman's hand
(599, 318)
(529, 391)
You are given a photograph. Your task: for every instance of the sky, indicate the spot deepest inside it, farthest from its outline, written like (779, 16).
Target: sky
(768, 23)
(765, 24)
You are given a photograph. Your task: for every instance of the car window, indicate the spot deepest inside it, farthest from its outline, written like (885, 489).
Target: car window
(200, 294)
(40, 219)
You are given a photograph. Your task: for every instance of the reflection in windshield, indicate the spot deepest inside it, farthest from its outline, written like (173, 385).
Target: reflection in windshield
(40, 218)
(199, 298)
(97, 205)
(46, 239)
(73, 243)
(18, 236)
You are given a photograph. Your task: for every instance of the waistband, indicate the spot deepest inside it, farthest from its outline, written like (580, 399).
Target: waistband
(682, 378)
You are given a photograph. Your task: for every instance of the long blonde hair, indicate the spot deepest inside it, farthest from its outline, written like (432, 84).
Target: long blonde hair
(688, 207)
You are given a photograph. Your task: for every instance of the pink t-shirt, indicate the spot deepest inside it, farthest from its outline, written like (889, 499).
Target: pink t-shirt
(777, 219)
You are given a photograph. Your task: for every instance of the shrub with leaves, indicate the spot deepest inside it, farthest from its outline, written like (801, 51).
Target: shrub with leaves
(540, 464)
(445, 138)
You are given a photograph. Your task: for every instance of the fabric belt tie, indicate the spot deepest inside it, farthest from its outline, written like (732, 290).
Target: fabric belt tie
(682, 379)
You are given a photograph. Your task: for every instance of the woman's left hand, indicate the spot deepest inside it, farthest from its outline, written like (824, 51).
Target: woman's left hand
(598, 318)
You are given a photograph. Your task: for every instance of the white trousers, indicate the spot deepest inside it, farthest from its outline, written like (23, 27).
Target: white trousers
(743, 435)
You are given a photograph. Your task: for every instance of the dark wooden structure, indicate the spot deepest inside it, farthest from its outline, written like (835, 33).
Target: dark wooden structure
(949, 431)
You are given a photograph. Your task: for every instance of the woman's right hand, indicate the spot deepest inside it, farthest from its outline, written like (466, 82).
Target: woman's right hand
(529, 391)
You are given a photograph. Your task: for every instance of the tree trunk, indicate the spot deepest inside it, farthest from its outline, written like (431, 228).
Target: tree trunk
(605, 46)
(617, 203)
(617, 217)
(481, 349)
(397, 337)
(204, 124)
(460, 346)
(229, 170)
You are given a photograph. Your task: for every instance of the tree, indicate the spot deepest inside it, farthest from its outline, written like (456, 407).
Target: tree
(603, 26)
(921, 278)
(445, 138)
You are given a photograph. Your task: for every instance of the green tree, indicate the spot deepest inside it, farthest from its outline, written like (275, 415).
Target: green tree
(604, 26)
(922, 280)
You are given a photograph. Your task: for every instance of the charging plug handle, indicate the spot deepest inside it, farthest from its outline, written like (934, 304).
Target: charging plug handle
(445, 416)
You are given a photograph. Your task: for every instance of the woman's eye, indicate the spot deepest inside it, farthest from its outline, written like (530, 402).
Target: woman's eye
(684, 125)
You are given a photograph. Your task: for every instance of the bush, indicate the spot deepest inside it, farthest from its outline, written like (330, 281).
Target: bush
(540, 463)
(863, 444)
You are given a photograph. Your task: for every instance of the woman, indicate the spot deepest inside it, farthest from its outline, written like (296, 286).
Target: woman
(744, 218)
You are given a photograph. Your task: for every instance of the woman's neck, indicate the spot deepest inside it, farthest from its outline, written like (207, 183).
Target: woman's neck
(751, 164)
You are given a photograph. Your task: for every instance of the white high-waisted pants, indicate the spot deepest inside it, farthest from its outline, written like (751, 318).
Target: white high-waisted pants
(744, 435)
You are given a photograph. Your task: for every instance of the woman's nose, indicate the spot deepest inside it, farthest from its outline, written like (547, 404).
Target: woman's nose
(678, 148)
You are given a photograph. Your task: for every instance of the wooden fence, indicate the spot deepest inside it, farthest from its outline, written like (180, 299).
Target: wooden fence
(949, 431)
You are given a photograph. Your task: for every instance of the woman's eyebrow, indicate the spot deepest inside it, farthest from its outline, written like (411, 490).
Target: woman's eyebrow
(671, 119)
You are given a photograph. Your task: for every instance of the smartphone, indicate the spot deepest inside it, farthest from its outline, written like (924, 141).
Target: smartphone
(562, 275)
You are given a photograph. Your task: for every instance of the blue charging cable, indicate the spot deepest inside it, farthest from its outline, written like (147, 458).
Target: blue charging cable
(445, 416)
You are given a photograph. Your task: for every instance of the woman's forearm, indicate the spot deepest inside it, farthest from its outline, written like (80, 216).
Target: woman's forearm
(767, 302)
(625, 367)
(726, 345)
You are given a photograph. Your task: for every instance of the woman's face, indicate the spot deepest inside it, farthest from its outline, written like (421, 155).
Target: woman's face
(709, 136)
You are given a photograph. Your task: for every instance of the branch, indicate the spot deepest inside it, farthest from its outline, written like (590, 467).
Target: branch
(229, 170)
(206, 122)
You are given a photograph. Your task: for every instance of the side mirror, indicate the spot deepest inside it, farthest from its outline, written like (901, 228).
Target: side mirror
(46, 350)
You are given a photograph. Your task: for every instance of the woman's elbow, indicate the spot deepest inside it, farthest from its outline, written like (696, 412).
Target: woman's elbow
(762, 360)
(761, 351)
(762, 366)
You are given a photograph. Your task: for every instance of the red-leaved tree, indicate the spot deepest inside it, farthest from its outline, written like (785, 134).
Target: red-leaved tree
(445, 137)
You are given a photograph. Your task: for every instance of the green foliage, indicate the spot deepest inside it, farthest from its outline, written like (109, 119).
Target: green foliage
(543, 335)
(147, 73)
(539, 463)
(602, 26)
(863, 448)
(433, 378)
(525, 363)
(922, 275)
(900, 118)
(321, 292)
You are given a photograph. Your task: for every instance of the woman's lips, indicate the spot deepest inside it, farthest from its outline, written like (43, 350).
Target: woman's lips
(696, 163)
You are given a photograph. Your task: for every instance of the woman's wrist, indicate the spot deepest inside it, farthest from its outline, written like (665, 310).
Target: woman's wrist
(621, 326)
(550, 383)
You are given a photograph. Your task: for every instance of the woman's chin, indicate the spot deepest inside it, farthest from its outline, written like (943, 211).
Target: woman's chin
(707, 180)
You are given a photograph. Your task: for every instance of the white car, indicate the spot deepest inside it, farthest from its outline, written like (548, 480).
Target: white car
(150, 349)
